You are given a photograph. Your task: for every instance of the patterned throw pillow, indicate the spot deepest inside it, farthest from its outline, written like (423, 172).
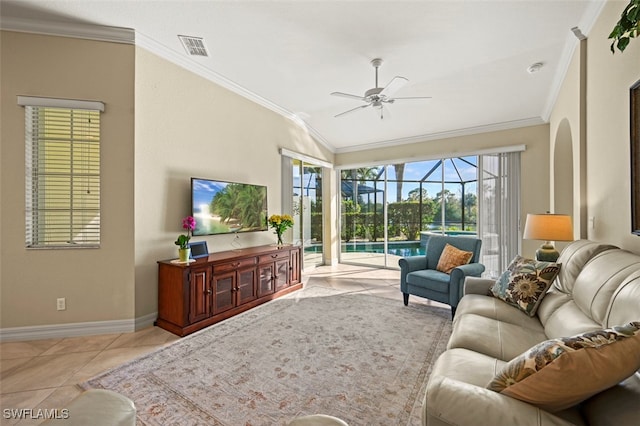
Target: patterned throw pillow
(452, 257)
(524, 283)
(559, 373)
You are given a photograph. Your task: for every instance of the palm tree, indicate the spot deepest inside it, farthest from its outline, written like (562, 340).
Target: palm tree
(250, 207)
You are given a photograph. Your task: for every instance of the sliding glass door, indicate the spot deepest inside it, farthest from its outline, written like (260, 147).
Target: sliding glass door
(307, 211)
(388, 212)
(363, 230)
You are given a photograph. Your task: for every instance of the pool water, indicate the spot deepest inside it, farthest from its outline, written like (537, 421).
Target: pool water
(402, 249)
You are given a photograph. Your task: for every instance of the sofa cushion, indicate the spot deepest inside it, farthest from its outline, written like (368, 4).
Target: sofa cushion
(573, 258)
(467, 366)
(625, 304)
(569, 320)
(452, 257)
(559, 373)
(455, 394)
(490, 307)
(600, 279)
(495, 338)
(615, 406)
(525, 283)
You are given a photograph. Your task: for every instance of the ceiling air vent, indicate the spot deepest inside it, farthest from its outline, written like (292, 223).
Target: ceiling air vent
(194, 45)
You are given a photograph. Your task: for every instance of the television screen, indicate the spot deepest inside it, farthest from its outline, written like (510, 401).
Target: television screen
(221, 207)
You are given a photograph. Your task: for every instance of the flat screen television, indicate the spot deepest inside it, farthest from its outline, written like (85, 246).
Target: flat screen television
(222, 207)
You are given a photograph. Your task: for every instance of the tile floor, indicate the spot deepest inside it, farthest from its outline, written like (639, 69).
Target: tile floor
(43, 374)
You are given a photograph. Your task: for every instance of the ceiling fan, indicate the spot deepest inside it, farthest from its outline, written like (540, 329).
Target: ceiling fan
(378, 96)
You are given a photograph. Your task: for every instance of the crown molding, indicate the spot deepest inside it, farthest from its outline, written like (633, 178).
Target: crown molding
(586, 25)
(129, 36)
(508, 125)
(440, 155)
(68, 29)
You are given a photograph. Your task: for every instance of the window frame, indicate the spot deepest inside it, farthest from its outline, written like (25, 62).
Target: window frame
(56, 164)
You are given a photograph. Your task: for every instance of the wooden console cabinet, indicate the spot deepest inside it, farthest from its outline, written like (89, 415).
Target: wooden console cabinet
(213, 288)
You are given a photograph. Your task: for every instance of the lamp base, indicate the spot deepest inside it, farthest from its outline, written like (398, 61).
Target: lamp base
(547, 253)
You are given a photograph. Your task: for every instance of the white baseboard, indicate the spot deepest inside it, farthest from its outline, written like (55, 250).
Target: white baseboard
(145, 321)
(58, 331)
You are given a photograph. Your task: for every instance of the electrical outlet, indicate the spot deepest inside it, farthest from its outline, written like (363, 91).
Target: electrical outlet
(62, 304)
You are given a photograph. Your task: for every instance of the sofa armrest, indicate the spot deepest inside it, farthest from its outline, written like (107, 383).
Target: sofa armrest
(476, 285)
(452, 402)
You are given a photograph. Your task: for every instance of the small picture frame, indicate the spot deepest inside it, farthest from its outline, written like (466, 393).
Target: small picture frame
(199, 249)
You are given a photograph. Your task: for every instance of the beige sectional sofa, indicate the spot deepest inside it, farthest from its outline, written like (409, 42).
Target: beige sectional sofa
(598, 287)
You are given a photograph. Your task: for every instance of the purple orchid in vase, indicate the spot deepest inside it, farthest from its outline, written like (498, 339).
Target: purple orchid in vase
(188, 223)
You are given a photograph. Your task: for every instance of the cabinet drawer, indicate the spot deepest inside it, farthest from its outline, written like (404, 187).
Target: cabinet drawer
(266, 258)
(232, 266)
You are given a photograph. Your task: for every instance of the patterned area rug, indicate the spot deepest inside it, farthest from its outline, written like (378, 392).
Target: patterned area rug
(362, 358)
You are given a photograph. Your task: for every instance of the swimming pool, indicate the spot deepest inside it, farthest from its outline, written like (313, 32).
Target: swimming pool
(402, 249)
(399, 248)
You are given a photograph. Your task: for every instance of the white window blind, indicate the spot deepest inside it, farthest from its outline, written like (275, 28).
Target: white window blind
(62, 174)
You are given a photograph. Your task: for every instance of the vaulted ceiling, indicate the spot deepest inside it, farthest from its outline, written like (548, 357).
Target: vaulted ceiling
(471, 57)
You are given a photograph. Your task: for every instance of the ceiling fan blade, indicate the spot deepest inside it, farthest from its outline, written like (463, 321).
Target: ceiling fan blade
(412, 97)
(352, 110)
(394, 85)
(349, 96)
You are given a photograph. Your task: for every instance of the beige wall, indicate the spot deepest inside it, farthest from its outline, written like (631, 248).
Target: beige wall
(187, 127)
(534, 196)
(606, 123)
(97, 283)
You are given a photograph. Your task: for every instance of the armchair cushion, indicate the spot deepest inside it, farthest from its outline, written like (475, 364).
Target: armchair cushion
(436, 280)
(559, 373)
(452, 257)
(525, 282)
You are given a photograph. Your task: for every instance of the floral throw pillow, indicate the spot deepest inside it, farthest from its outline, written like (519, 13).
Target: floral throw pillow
(524, 283)
(559, 373)
(452, 257)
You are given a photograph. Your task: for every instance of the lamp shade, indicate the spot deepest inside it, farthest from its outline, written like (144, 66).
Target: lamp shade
(548, 227)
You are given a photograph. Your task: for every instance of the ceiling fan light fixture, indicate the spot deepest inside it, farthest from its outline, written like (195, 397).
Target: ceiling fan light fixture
(534, 68)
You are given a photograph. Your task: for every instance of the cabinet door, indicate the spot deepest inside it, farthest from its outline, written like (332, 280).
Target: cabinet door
(199, 295)
(223, 291)
(265, 280)
(294, 267)
(281, 274)
(246, 286)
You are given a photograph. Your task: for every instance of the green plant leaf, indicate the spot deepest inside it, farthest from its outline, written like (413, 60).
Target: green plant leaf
(627, 27)
(623, 42)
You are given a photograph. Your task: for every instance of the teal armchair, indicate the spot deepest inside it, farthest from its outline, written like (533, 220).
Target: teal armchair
(418, 274)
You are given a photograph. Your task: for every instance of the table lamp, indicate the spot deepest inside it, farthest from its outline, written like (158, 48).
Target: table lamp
(548, 227)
